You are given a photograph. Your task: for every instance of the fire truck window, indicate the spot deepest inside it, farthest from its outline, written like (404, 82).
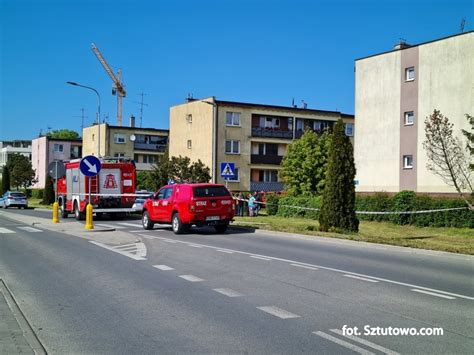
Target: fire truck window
(161, 194)
(168, 193)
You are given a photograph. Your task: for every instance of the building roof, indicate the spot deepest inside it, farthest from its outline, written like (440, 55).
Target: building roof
(137, 128)
(78, 140)
(288, 108)
(414, 45)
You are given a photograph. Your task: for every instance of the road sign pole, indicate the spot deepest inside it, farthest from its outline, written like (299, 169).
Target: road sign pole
(55, 204)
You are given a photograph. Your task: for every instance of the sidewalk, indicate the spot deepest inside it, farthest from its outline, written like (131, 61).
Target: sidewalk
(16, 335)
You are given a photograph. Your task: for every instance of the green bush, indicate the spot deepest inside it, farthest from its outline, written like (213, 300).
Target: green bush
(272, 204)
(37, 193)
(383, 202)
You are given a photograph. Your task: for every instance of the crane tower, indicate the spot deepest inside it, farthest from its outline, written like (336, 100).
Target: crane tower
(118, 87)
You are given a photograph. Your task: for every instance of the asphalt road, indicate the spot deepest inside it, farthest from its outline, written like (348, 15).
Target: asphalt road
(239, 292)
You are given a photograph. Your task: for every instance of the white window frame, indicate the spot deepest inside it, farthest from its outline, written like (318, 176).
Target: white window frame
(408, 71)
(407, 115)
(346, 129)
(58, 148)
(189, 144)
(236, 172)
(119, 138)
(119, 155)
(232, 119)
(406, 162)
(232, 142)
(267, 175)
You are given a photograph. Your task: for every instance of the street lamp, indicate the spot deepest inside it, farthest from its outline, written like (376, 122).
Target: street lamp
(98, 108)
(214, 138)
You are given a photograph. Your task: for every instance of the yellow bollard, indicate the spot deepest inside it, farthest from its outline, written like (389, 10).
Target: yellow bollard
(55, 212)
(89, 223)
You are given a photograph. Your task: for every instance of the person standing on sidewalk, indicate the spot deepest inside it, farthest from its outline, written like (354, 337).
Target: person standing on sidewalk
(240, 204)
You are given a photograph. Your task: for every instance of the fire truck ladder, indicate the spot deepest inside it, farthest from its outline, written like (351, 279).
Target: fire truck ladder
(118, 88)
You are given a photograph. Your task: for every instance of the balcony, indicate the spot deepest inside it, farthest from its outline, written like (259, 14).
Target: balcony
(271, 133)
(265, 159)
(266, 186)
(150, 146)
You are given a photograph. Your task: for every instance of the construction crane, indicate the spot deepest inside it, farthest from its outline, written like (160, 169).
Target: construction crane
(118, 88)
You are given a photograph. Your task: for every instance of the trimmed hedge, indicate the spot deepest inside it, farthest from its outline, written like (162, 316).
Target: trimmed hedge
(37, 193)
(382, 202)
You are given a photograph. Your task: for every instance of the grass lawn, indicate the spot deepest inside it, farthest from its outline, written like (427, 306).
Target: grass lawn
(36, 203)
(455, 240)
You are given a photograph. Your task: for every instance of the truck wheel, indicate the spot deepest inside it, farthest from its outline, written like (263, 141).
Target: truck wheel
(80, 216)
(221, 228)
(62, 210)
(146, 221)
(178, 226)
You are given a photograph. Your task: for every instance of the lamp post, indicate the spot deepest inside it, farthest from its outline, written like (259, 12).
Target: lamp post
(98, 109)
(214, 138)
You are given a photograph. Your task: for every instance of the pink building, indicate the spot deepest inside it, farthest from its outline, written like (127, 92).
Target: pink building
(45, 150)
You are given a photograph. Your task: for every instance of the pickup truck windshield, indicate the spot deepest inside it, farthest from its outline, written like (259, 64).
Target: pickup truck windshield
(210, 191)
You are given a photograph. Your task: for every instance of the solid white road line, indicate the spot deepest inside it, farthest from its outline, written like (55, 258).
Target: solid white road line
(225, 251)
(360, 278)
(329, 269)
(191, 278)
(170, 241)
(109, 226)
(433, 294)
(131, 256)
(130, 224)
(304, 267)
(5, 230)
(30, 229)
(163, 267)
(228, 292)
(260, 257)
(343, 343)
(194, 246)
(366, 342)
(278, 312)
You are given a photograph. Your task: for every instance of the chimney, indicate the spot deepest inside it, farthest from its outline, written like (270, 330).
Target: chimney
(132, 121)
(402, 44)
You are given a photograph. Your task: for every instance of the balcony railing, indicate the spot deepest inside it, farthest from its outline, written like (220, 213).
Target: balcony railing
(265, 159)
(266, 186)
(150, 146)
(271, 133)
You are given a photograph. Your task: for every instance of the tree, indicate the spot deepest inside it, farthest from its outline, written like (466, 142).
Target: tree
(5, 179)
(21, 171)
(338, 205)
(446, 157)
(48, 195)
(470, 139)
(179, 169)
(63, 134)
(304, 166)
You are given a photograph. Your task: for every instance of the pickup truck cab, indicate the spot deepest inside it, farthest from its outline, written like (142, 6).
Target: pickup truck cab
(184, 205)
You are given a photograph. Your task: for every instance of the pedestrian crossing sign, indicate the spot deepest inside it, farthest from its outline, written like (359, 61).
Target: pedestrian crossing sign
(227, 170)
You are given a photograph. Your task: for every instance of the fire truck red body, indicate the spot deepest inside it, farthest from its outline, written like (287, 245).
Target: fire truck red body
(116, 178)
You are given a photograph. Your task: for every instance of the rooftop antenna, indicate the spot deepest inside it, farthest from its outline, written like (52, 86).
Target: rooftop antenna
(141, 103)
(305, 105)
(82, 118)
(463, 23)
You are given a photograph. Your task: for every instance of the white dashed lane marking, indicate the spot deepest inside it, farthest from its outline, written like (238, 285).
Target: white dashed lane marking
(304, 267)
(260, 257)
(191, 278)
(365, 342)
(360, 278)
(228, 292)
(163, 267)
(130, 224)
(5, 231)
(225, 251)
(433, 294)
(278, 312)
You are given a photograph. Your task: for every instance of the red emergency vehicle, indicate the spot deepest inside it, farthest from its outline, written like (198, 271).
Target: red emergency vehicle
(109, 188)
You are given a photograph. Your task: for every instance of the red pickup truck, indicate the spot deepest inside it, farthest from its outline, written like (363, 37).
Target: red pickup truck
(184, 205)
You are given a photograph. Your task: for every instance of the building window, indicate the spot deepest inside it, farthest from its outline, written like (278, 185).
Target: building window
(268, 175)
(119, 155)
(232, 147)
(232, 118)
(290, 123)
(410, 74)
(236, 176)
(149, 159)
(349, 129)
(58, 148)
(119, 138)
(408, 162)
(409, 118)
(189, 144)
(189, 118)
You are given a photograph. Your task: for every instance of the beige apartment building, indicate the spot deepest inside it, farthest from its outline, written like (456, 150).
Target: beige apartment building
(395, 92)
(144, 145)
(254, 137)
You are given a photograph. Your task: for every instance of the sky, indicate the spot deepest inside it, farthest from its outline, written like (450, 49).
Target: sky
(258, 51)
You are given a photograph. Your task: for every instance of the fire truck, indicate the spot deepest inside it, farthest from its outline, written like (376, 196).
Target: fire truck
(112, 189)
